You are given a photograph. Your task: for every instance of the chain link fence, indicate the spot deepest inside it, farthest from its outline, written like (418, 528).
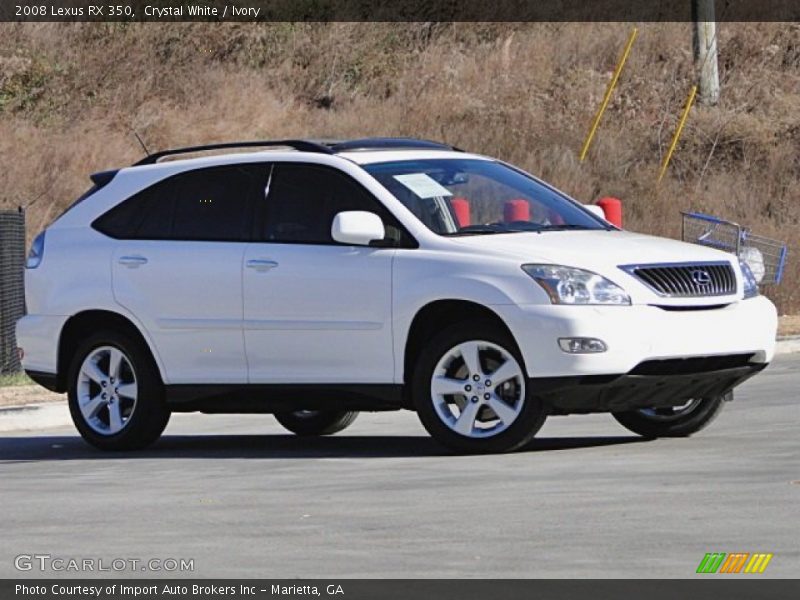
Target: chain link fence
(12, 286)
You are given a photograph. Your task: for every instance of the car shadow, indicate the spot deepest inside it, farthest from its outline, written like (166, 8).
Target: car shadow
(54, 448)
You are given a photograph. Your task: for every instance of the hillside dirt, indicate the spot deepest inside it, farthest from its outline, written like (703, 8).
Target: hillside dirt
(73, 97)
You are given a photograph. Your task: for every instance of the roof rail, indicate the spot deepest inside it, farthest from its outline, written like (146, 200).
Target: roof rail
(389, 143)
(301, 145)
(320, 146)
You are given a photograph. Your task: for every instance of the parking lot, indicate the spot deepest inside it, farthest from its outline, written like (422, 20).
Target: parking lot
(244, 499)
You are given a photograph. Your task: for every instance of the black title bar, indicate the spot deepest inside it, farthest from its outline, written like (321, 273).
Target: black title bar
(701, 588)
(390, 10)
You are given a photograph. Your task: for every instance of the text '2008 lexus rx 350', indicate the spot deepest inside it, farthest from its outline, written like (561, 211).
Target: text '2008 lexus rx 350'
(313, 280)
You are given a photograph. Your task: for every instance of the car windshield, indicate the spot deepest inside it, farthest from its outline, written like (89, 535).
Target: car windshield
(473, 196)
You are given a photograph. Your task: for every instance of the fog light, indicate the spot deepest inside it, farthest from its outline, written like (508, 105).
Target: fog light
(580, 345)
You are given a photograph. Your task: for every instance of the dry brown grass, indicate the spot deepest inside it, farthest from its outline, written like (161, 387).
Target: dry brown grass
(24, 395)
(71, 94)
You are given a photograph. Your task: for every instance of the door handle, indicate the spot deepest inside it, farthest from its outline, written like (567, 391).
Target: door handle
(132, 261)
(261, 264)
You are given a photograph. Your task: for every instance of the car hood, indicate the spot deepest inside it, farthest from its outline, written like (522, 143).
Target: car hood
(601, 247)
(600, 251)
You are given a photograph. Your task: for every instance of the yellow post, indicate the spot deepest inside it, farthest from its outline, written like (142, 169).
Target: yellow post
(687, 108)
(611, 85)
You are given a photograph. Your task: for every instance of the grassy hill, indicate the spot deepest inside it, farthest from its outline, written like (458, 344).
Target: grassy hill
(72, 94)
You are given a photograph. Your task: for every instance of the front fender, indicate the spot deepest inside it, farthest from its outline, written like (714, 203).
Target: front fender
(418, 282)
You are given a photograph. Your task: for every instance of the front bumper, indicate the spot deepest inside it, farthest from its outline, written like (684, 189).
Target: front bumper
(638, 333)
(651, 384)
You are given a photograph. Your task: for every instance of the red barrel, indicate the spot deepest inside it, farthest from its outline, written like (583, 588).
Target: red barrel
(612, 207)
(516, 210)
(462, 209)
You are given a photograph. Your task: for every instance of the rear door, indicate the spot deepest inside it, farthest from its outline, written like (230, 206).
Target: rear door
(316, 311)
(178, 268)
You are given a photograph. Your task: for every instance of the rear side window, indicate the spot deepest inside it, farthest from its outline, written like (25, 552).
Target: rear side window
(145, 216)
(303, 200)
(212, 204)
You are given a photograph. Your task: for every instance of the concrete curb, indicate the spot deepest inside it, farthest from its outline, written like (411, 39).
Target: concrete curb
(788, 344)
(34, 417)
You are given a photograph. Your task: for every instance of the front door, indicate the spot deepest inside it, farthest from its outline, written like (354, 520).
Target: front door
(316, 311)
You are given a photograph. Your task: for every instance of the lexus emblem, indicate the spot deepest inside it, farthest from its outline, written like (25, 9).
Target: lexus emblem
(701, 277)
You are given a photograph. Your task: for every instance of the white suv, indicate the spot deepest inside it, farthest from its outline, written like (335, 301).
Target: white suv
(316, 279)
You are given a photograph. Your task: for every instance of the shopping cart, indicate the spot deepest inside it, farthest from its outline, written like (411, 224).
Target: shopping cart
(765, 257)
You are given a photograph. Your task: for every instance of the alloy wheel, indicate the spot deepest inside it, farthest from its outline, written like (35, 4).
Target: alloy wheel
(478, 389)
(107, 390)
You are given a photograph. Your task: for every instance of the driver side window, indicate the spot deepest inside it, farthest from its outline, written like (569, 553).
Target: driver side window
(303, 199)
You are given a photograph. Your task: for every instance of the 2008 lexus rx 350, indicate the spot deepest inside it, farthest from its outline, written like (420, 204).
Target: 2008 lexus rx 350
(313, 280)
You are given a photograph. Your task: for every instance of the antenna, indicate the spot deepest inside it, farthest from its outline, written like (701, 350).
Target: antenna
(141, 143)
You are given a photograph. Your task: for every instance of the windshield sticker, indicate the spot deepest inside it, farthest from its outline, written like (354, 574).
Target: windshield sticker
(423, 185)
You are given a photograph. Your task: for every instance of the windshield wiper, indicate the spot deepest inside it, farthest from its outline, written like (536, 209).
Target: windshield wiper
(483, 229)
(516, 227)
(564, 227)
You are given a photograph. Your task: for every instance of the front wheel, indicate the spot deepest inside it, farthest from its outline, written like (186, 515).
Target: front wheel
(673, 421)
(471, 391)
(316, 422)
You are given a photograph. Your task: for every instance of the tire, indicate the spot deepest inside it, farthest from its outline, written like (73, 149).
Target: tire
(444, 390)
(681, 422)
(133, 414)
(316, 422)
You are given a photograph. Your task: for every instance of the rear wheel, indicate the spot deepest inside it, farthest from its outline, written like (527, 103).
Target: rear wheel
(471, 391)
(115, 394)
(673, 421)
(316, 422)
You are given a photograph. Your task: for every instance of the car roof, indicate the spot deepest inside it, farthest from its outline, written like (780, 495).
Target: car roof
(306, 145)
(359, 158)
(365, 158)
(362, 151)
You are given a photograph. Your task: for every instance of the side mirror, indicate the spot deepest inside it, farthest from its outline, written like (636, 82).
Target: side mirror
(357, 228)
(596, 210)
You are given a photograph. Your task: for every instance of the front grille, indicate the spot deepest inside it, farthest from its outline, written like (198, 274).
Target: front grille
(692, 308)
(686, 280)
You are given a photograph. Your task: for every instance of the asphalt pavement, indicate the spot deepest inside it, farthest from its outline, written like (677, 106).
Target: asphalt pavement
(241, 498)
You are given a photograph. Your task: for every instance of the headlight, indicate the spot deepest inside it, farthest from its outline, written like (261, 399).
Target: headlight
(754, 259)
(749, 280)
(566, 285)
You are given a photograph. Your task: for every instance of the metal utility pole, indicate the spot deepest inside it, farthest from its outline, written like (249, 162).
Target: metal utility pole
(705, 50)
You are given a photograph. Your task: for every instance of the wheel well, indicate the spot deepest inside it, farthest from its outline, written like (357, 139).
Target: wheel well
(78, 327)
(436, 316)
